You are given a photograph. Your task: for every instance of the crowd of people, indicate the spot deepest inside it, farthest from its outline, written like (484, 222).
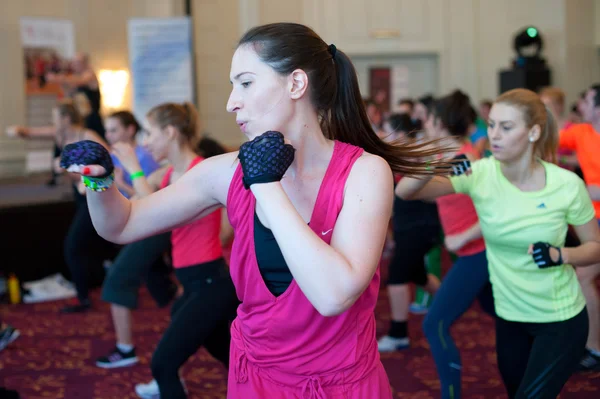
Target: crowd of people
(309, 199)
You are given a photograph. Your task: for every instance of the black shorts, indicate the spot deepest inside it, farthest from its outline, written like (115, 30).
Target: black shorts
(408, 263)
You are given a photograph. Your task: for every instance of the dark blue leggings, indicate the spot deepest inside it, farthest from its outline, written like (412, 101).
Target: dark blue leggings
(467, 280)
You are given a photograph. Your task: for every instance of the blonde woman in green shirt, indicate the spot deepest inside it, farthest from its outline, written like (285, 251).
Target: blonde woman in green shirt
(525, 204)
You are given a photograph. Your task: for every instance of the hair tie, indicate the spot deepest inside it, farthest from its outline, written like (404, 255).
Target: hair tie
(332, 50)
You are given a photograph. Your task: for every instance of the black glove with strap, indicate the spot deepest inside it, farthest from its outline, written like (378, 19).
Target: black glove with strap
(265, 159)
(541, 255)
(460, 165)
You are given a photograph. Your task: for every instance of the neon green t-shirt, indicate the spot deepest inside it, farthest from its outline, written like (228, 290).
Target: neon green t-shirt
(510, 221)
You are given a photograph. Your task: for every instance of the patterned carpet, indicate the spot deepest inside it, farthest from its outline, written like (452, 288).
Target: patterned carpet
(54, 357)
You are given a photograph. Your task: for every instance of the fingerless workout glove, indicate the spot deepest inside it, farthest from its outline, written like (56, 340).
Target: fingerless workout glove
(87, 152)
(265, 159)
(541, 255)
(460, 165)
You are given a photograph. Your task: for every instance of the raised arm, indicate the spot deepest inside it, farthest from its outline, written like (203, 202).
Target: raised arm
(431, 187)
(88, 135)
(425, 188)
(197, 193)
(333, 277)
(457, 241)
(41, 132)
(85, 78)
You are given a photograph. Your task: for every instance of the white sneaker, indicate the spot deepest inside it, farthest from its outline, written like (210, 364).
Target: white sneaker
(390, 344)
(150, 390)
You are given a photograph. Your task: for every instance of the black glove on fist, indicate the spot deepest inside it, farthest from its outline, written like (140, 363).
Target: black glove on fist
(86, 152)
(460, 165)
(265, 159)
(541, 255)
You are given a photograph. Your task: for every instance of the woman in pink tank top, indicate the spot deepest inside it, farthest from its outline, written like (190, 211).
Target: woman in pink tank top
(309, 202)
(202, 314)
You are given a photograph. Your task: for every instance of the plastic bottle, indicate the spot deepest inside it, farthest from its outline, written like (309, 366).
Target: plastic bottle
(14, 289)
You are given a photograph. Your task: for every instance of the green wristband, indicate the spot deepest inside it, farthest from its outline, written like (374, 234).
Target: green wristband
(136, 175)
(98, 184)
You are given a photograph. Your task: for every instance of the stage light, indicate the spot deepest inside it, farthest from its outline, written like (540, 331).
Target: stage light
(528, 42)
(528, 69)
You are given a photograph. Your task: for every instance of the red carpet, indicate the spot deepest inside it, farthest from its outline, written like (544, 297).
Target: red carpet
(55, 356)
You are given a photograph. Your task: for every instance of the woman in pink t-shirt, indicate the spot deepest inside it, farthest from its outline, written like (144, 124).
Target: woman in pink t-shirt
(468, 279)
(309, 201)
(202, 314)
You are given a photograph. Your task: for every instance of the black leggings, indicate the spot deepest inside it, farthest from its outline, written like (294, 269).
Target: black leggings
(537, 359)
(200, 317)
(85, 250)
(138, 262)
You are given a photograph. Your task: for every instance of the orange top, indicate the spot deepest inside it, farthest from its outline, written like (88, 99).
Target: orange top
(585, 141)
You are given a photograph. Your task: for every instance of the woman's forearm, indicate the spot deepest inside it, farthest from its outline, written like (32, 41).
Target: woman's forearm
(472, 233)
(586, 254)
(109, 211)
(409, 186)
(142, 187)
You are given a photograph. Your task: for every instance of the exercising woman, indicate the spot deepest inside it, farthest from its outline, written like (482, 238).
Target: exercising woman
(525, 205)
(310, 217)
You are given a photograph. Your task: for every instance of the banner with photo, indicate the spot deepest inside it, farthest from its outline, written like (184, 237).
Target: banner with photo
(48, 48)
(160, 56)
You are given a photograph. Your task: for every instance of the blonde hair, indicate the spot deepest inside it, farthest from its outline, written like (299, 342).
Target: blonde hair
(182, 117)
(556, 95)
(535, 113)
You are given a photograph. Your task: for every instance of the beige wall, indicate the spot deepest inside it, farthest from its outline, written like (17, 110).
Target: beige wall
(472, 59)
(472, 44)
(582, 54)
(100, 29)
(597, 22)
(471, 38)
(216, 31)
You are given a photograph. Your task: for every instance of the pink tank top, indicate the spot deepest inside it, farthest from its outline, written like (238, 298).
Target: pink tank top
(197, 242)
(285, 337)
(457, 213)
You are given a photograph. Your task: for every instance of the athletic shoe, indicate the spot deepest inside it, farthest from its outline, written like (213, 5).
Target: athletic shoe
(589, 362)
(391, 344)
(117, 359)
(417, 308)
(7, 336)
(77, 307)
(150, 390)
(421, 307)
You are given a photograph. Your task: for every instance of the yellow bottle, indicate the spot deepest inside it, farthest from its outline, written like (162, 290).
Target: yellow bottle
(14, 289)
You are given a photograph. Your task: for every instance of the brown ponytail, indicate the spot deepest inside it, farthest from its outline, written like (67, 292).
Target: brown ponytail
(335, 93)
(183, 117)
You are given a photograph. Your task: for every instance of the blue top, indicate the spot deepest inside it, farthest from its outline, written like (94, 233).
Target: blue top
(146, 161)
(478, 134)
